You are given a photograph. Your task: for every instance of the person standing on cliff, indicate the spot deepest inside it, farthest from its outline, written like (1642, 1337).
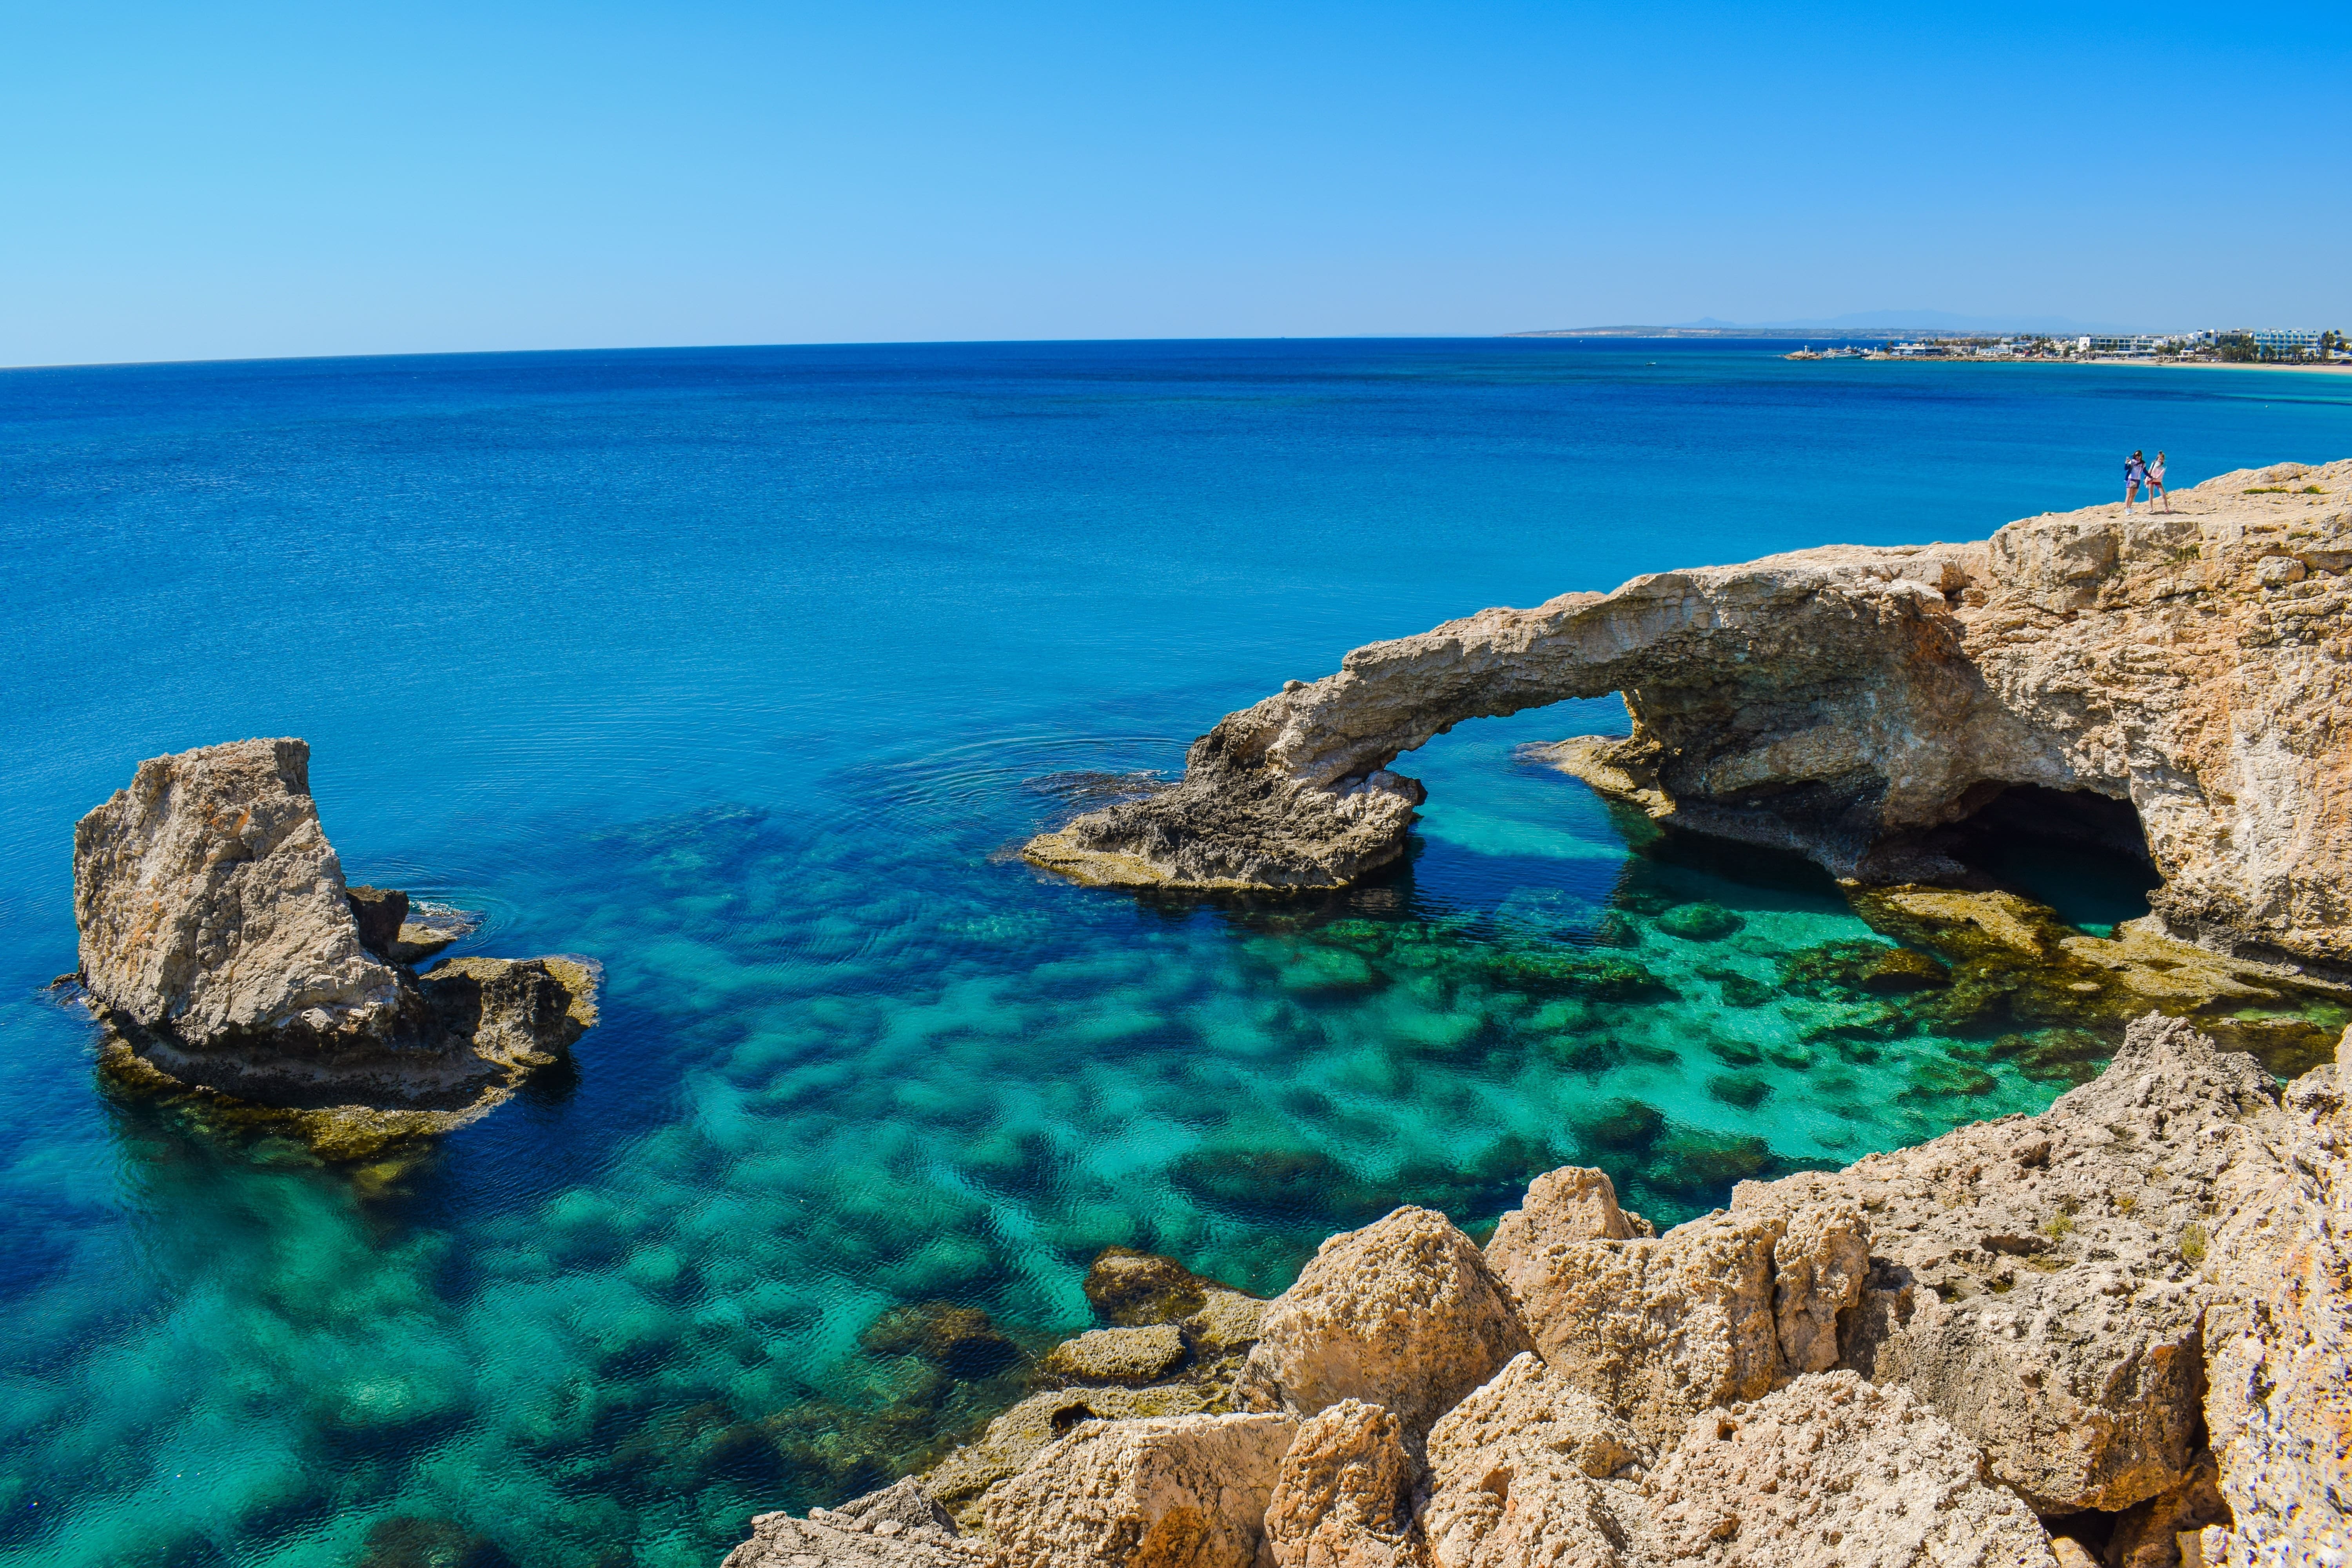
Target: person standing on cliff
(2135, 470)
(2156, 483)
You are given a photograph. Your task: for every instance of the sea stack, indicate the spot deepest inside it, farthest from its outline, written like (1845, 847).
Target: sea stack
(225, 954)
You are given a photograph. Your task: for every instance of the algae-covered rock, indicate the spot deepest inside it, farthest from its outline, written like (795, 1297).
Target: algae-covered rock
(1130, 1287)
(1699, 922)
(1016, 1438)
(1131, 1357)
(960, 1341)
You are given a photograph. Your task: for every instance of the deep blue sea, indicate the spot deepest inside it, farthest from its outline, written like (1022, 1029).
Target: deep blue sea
(741, 669)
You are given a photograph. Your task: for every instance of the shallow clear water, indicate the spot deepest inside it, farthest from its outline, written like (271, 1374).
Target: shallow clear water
(739, 669)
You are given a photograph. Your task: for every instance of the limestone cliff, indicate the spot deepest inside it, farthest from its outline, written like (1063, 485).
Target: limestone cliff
(224, 951)
(1855, 704)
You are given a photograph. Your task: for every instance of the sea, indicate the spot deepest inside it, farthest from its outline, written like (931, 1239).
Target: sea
(745, 672)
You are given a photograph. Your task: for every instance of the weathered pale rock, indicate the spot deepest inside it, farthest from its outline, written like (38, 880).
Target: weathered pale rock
(1018, 1436)
(1830, 1472)
(2031, 1278)
(1184, 1492)
(1131, 1287)
(1529, 1413)
(2278, 1400)
(1402, 1314)
(211, 906)
(780, 1540)
(224, 951)
(1657, 1329)
(1136, 1355)
(904, 1503)
(1227, 1319)
(1342, 1498)
(1574, 1203)
(1852, 702)
(1519, 1509)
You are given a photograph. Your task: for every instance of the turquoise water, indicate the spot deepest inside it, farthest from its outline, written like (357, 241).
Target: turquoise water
(741, 671)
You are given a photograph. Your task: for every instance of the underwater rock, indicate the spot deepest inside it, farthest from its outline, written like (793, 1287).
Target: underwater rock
(1130, 1287)
(1189, 1491)
(1343, 1495)
(1829, 1471)
(960, 1341)
(227, 957)
(1851, 703)
(1131, 1357)
(1699, 922)
(1529, 1413)
(1402, 1314)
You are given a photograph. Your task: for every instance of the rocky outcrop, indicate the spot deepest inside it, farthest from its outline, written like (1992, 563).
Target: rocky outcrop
(1343, 1496)
(898, 1527)
(1186, 1492)
(227, 957)
(1135, 1356)
(1854, 704)
(1720, 1309)
(1402, 1314)
(1830, 1473)
(2128, 1317)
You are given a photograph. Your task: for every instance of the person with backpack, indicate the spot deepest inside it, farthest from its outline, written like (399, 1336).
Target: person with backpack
(2135, 471)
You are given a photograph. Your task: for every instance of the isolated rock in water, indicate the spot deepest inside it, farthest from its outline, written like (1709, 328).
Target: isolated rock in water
(1402, 1314)
(1830, 1473)
(211, 906)
(1526, 1413)
(2278, 1401)
(223, 950)
(1130, 1287)
(1658, 1330)
(1119, 1356)
(2037, 1280)
(1186, 1492)
(1851, 703)
(1343, 1498)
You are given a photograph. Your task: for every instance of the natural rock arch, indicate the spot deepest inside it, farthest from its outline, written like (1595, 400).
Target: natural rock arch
(1849, 702)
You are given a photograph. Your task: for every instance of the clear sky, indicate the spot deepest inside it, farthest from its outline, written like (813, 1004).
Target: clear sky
(233, 178)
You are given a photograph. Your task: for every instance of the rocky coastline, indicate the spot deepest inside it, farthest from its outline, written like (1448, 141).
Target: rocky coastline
(234, 969)
(2168, 683)
(2116, 1333)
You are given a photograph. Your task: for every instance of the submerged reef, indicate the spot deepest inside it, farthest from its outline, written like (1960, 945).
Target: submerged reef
(235, 971)
(2170, 681)
(2119, 1331)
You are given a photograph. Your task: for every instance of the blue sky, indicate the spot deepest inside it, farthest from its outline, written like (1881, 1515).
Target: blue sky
(231, 179)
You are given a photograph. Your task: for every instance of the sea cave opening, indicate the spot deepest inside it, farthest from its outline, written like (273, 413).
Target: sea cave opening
(2084, 854)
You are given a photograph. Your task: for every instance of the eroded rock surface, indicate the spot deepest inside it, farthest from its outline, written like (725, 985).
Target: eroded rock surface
(224, 951)
(1830, 1473)
(1186, 1492)
(1527, 1412)
(1658, 1328)
(1402, 1314)
(1343, 1496)
(1851, 703)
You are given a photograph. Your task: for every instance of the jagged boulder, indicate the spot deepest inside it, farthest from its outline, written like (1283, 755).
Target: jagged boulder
(1575, 1203)
(1402, 1314)
(2278, 1401)
(1656, 1330)
(1528, 1410)
(1830, 1472)
(1189, 1491)
(224, 951)
(1343, 1496)
(1514, 1507)
(900, 1526)
(2037, 1280)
